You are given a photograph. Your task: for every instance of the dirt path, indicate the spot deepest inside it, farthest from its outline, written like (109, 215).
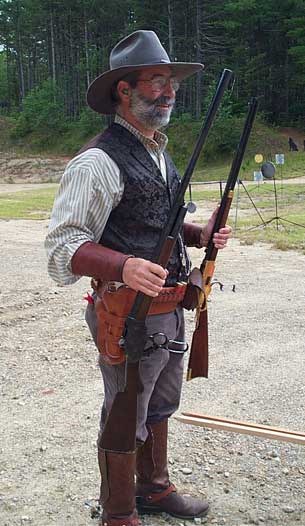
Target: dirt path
(24, 187)
(6, 188)
(51, 392)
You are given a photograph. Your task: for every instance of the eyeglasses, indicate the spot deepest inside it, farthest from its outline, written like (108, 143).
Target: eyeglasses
(159, 83)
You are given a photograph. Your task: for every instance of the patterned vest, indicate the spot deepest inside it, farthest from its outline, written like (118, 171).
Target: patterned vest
(135, 225)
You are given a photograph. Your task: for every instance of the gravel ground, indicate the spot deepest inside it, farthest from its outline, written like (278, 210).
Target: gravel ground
(51, 392)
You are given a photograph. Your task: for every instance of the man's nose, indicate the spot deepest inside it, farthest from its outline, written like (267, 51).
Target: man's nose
(169, 91)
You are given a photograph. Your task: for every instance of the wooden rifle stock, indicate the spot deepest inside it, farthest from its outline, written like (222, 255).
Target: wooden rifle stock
(119, 434)
(198, 292)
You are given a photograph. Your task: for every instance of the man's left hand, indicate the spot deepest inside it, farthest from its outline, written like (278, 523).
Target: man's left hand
(220, 238)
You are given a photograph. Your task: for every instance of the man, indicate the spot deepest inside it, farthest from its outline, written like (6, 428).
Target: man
(112, 205)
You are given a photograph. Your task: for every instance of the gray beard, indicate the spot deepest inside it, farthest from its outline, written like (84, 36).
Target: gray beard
(147, 113)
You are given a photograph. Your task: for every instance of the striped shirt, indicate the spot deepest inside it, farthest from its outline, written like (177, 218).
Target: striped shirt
(90, 188)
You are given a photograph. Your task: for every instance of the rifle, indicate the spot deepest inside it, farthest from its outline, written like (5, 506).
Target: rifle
(200, 281)
(119, 434)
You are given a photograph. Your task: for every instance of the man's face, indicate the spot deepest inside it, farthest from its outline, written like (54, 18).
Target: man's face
(153, 98)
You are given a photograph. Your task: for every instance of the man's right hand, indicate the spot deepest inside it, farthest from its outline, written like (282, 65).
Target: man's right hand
(144, 276)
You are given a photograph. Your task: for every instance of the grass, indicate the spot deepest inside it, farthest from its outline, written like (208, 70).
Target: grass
(31, 204)
(294, 167)
(182, 137)
(249, 228)
(263, 195)
(248, 225)
(282, 235)
(37, 204)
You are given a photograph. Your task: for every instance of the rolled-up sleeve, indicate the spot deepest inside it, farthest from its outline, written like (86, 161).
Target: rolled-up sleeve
(90, 188)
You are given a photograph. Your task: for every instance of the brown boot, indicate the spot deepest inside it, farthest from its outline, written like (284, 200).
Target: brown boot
(155, 493)
(117, 489)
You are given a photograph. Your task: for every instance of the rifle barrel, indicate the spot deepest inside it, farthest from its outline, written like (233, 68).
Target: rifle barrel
(227, 197)
(198, 359)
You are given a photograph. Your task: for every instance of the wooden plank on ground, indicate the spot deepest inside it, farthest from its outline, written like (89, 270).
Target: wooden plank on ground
(235, 426)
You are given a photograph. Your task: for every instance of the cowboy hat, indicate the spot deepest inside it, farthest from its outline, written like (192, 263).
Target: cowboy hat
(140, 50)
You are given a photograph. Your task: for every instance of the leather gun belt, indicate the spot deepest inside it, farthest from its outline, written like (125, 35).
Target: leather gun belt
(112, 306)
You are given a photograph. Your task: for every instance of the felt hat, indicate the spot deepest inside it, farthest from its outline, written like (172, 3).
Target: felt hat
(140, 50)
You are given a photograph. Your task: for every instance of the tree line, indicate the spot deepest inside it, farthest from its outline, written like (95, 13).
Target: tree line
(53, 49)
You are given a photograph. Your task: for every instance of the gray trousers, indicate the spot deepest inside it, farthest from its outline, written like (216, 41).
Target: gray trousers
(161, 373)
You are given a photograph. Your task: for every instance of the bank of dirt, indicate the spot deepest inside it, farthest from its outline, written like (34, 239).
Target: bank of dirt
(51, 392)
(30, 169)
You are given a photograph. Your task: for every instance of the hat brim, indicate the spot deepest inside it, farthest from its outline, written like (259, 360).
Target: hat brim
(99, 92)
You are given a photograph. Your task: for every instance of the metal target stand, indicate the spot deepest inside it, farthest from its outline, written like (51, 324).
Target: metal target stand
(268, 172)
(240, 183)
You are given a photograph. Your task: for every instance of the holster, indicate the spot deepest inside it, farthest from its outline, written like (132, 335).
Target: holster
(193, 290)
(112, 307)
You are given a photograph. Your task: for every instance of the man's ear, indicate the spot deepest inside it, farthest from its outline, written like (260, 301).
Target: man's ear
(123, 89)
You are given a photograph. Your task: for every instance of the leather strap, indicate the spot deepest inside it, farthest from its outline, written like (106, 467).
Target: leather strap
(112, 293)
(156, 497)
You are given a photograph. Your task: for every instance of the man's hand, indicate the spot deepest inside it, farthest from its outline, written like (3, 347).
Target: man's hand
(220, 238)
(144, 276)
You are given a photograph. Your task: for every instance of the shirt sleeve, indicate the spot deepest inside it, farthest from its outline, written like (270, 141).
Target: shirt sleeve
(90, 188)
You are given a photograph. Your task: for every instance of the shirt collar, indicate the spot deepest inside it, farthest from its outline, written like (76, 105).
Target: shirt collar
(155, 145)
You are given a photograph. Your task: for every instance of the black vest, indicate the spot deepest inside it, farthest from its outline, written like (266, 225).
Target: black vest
(135, 225)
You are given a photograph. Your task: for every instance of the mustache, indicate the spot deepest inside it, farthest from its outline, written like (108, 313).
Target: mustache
(160, 100)
(164, 100)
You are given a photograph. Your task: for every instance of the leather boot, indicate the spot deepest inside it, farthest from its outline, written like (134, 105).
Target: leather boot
(155, 493)
(117, 496)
